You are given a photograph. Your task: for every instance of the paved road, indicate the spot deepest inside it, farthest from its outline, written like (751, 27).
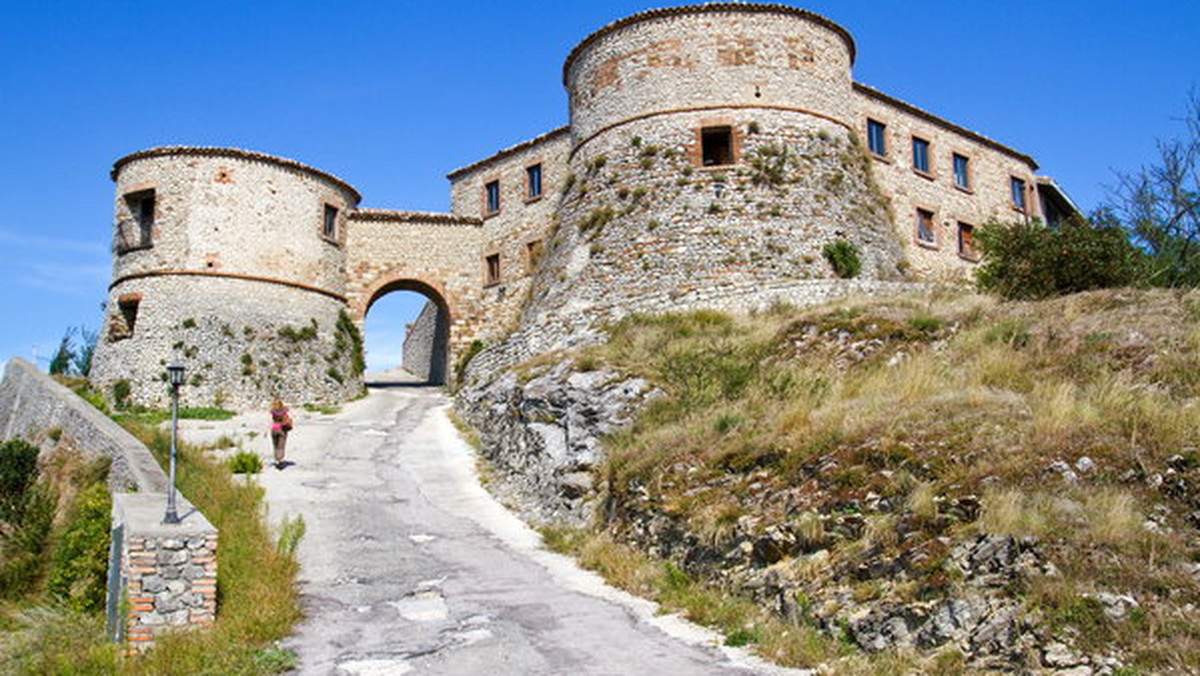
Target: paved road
(409, 567)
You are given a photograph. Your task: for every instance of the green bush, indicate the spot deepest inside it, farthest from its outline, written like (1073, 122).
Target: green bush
(22, 549)
(245, 462)
(81, 558)
(1027, 260)
(843, 256)
(121, 390)
(18, 471)
(460, 369)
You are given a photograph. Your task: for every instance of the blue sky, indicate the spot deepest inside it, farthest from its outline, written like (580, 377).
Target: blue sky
(392, 95)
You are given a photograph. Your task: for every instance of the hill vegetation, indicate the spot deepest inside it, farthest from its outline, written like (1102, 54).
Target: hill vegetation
(941, 484)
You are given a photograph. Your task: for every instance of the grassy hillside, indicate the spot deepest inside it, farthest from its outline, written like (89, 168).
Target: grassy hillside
(838, 462)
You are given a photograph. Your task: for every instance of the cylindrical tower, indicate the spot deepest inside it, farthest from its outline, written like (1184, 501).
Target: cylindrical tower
(713, 152)
(233, 262)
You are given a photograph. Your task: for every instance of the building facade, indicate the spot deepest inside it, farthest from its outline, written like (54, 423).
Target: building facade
(713, 153)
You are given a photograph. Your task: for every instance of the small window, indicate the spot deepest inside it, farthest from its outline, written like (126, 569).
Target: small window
(716, 146)
(493, 269)
(1018, 194)
(962, 171)
(533, 253)
(533, 181)
(121, 322)
(877, 137)
(965, 246)
(491, 197)
(140, 233)
(925, 231)
(329, 227)
(921, 155)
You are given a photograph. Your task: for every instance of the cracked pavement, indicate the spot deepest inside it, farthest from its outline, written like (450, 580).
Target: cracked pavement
(408, 566)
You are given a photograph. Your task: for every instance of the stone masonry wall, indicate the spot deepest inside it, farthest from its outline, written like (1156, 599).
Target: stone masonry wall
(32, 403)
(987, 196)
(168, 572)
(272, 341)
(419, 347)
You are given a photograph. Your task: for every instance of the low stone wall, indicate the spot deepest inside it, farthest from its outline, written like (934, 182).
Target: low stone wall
(32, 403)
(167, 571)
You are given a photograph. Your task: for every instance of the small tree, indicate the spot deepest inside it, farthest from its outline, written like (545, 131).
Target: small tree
(1159, 206)
(60, 363)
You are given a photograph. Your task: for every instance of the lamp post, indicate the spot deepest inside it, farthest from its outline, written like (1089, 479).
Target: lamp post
(175, 374)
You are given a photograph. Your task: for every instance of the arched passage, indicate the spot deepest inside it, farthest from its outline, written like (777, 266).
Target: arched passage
(426, 347)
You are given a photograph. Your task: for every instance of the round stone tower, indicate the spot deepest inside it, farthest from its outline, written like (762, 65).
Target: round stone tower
(234, 263)
(714, 153)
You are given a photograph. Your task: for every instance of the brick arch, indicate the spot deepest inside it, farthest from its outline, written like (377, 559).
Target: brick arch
(400, 280)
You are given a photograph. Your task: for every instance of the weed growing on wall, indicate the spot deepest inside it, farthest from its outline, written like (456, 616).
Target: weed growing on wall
(843, 257)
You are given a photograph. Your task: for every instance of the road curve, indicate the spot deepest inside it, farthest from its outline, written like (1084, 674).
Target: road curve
(410, 567)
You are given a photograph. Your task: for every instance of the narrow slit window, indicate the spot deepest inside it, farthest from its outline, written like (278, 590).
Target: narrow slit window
(493, 269)
(716, 146)
(329, 227)
(925, 231)
(492, 197)
(533, 181)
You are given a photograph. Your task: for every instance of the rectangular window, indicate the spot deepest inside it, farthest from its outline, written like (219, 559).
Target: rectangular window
(925, 230)
(962, 171)
(921, 155)
(877, 137)
(329, 226)
(716, 146)
(140, 233)
(965, 234)
(492, 197)
(1018, 194)
(493, 269)
(533, 181)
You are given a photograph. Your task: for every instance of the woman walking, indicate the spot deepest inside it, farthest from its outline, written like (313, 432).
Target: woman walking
(281, 424)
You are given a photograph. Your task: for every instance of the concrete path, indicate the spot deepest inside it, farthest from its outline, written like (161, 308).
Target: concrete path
(410, 567)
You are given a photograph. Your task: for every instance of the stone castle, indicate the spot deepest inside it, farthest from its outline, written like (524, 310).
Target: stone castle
(713, 153)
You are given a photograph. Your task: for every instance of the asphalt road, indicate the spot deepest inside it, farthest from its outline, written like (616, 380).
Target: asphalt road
(410, 567)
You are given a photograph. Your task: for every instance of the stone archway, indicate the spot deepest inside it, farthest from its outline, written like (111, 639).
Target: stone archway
(429, 335)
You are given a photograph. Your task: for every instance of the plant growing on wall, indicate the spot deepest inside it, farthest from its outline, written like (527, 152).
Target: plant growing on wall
(843, 256)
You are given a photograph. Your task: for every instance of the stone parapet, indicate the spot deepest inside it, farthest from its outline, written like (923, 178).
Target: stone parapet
(32, 403)
(167, 572)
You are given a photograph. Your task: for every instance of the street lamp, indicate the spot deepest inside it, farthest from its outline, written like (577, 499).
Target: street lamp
(175, 375)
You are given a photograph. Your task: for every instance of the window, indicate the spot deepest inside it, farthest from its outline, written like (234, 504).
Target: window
(533, 253)
(1018, 194)
(140, 233)
(533, 182)
(965, 234)
(329, 226)
(493, 269)
(121, 322)
(962, 171)
(921, 155)
(925, 231)
(716, 146)
(877, 137)
(491, 197)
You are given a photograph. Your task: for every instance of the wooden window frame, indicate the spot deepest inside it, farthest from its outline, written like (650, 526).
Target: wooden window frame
(487, 212)
(970, 253)
(492, 277)
(1025, 196)
(885, 156)
(969, 188)
(933, 228)
(928, 172)
(338, 221)
(541, 167)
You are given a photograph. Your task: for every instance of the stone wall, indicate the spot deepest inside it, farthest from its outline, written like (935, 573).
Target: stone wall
(31, 403)
(420, 346)
(242, 343)
(167, 572)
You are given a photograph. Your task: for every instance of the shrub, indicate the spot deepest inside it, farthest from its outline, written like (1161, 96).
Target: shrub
(245, 462)
(460, 369)
(18, 471)
(81, 559)
(22, 548)
(121, 391)
(843, 256)
(1026, 260)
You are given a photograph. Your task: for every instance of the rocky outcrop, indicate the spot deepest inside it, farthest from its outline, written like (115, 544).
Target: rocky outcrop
(542, 435)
